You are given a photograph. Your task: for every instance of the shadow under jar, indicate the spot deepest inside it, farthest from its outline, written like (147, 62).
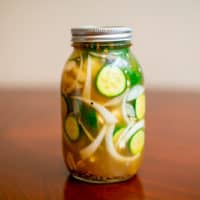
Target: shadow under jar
(103, 106)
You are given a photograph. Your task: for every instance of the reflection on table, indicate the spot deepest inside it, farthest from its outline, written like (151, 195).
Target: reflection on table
(129, 190)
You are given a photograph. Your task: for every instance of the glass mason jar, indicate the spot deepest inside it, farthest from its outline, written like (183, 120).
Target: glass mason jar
(103, 106)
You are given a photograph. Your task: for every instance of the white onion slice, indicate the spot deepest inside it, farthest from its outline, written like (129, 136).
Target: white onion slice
(87, 86)
(123, 107)
(98, 55)
(125, 136)
(115, 101)
(106, 114)
(130, 110)
(111, 149)
(91, 148)
(135, 92)
(128, 127)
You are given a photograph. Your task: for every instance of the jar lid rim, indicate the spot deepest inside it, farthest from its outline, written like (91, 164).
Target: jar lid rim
(101, 33)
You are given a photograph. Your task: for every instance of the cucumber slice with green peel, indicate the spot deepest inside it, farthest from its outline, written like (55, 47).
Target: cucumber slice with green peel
(136, 142)
(117, 128)
(111, 81)
(71, 127)
(89, 117)
(131, 129)
(139, 105)
(116, 134)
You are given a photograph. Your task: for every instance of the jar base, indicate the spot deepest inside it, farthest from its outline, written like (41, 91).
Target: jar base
(99, 180)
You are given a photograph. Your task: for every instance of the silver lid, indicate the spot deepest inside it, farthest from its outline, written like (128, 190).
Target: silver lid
(101, 34)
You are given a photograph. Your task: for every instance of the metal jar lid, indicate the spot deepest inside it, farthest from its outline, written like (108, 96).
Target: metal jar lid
(101, 34)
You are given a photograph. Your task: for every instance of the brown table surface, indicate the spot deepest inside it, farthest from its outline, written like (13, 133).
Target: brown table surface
(31, 164)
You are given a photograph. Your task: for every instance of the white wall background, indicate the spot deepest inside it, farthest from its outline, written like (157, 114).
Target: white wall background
(35, 38)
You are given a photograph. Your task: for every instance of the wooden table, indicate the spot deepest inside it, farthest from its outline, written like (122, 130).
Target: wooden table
(31, 164)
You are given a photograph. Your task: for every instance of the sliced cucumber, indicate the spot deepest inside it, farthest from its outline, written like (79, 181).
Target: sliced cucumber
(139, 105)
(117, 128)
(136, 142)
(116, 134)
(111, 81)
(131, 129)
(89, 118)
(72, 128)
(98, 55)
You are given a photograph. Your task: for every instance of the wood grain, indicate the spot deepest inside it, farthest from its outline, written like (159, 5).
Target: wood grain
(31, 164)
